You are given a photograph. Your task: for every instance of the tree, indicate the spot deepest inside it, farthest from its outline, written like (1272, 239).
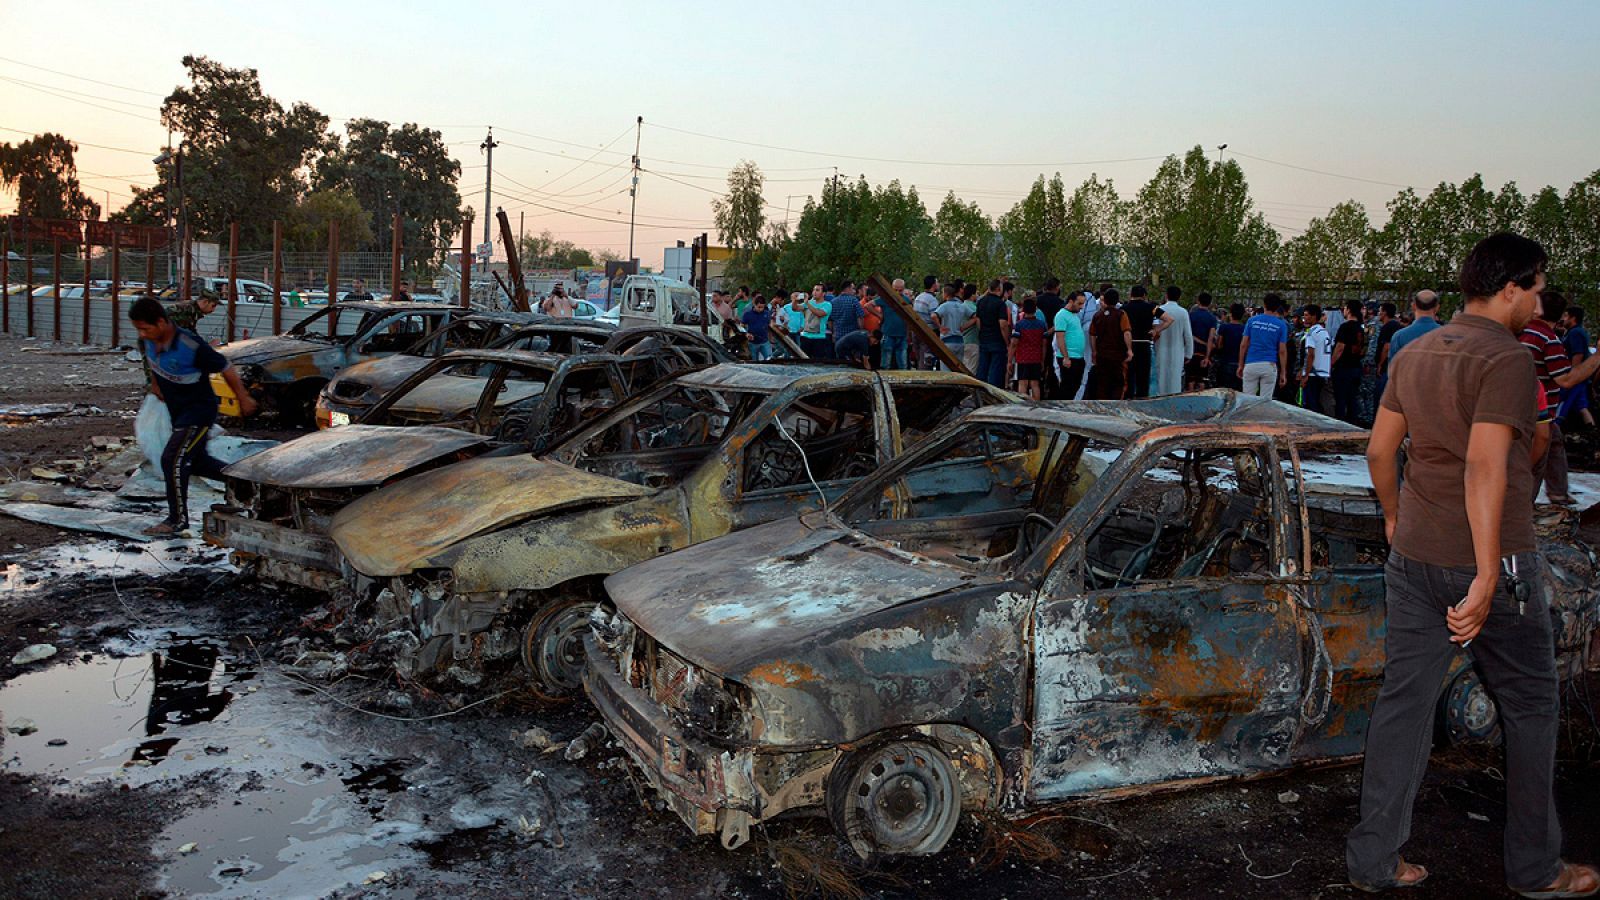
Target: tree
(43, 175)
(1031, 232)
(1194, 224)
(739, 215)
(545, 251)
(1090, 244)
(1331, 252)
(307, 228)
(407, 170)
(962, 241)
(245, 157)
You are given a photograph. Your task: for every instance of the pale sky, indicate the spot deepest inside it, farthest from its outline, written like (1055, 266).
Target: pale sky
(982, 98)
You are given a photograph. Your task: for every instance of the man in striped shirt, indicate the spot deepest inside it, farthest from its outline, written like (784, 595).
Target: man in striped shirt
(1555, 371)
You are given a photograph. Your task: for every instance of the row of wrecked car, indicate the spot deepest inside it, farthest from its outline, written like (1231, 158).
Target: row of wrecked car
(887, 596)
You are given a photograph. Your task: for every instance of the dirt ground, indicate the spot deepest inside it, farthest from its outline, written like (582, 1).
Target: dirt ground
(201, 752)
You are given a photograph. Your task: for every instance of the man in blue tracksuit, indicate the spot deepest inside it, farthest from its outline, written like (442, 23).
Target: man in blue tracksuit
(181, 365)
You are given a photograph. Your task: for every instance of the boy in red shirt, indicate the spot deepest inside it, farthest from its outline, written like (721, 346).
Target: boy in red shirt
(1027, 349)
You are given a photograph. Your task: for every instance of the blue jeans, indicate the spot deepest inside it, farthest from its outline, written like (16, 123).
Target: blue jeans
(893, 354)
(761, 351)
(992, 365)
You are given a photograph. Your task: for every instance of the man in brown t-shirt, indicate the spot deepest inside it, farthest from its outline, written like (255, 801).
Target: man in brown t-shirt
(1112, 338)
(1462, 570)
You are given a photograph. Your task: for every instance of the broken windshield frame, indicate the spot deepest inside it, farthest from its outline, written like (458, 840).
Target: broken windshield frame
(303, 330)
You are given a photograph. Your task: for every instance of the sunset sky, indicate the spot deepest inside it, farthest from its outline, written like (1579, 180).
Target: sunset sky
(979, 98)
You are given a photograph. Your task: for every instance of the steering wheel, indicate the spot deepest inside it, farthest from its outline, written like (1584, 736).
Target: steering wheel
(1026, 541)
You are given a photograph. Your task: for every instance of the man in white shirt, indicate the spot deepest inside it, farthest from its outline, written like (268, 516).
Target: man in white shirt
(923, 305)
(1318, 356)
(1091, 305)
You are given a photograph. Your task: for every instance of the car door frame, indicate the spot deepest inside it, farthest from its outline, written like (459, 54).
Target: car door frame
(1063, 593)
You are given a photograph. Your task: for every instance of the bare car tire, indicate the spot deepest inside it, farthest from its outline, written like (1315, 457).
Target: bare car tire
(896, 799)
(552, 647)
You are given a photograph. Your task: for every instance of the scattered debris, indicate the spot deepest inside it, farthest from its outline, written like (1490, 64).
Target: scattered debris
(536, 739)
(591, 739)
(33, 653)
(1288, 797)
(22, 726)
(1477, 817)
(106, 442)
(118, 524)
(188, 848)
(47, 474)
(56, 742)
(17, 413)
(321, 665)
(375, 877)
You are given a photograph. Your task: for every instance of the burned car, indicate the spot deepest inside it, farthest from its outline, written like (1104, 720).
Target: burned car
(278, 503)
(353, 391)
(285, 373)
(1039, 603)
(502, 556)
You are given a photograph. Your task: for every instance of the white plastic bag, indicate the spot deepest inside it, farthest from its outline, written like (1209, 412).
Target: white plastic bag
(153, 428)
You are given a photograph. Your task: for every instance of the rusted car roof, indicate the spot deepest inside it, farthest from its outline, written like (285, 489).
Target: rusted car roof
(771, 377)
(1124, 420)
(304, 462)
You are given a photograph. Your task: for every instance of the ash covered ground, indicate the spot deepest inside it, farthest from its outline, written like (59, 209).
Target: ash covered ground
(195, 733)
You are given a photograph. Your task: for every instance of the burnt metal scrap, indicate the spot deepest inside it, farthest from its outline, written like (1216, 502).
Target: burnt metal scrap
(496, 556)
(1035, 604)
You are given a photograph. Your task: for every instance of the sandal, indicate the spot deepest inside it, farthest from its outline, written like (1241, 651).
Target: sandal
(1574, 881)
(165, 529)
(1406, 875)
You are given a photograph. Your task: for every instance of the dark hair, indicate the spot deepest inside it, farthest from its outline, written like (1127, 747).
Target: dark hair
(1029, 304)
(928, 281)
(1500, 259)
(1111, 296)
(1136, 291)
(968, 290)
(1007, 286)
(1052, 284)
(951, 289)
(827, 287)
(1576, 313)
(1390, 310)
(1420, 303)
(848, 284)
(957, 283)
(1074, 294)
(1237, 311)
(994, 284)
(1174, 292)
(148, 310)
(1551, 305)
(1272, 303)
(1357, 308)
(1204, 299)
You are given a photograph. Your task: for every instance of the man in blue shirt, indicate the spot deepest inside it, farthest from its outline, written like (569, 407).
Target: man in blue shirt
(1425, 309)
(1575, 399)
(181, 366)
(1264, 352)
(845, 316)
(1203, 322)
(756, 325)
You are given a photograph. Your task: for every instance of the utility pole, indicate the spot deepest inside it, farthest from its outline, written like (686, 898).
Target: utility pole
(487, 147)
(1220, 148)
(633, 192)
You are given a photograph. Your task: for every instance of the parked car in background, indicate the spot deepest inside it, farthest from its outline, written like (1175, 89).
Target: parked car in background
(351, 392)
(482, 573)
(1036, 604)
(285, 373)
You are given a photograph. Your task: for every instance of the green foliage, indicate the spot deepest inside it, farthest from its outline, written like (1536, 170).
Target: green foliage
(545, 251)
(43, 175)
(739, 215)
(1331, 253)
(962, 243)
(245, 156)
(406, 169)
(307, 228)
(1194, 224)
(851, 232)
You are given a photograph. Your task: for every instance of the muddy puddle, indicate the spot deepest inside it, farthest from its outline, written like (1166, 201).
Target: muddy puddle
(108, 559)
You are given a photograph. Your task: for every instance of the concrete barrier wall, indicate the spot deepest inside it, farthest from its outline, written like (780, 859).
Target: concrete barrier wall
(250, 320)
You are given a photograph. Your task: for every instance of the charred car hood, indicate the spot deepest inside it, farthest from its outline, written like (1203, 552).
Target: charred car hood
(352, 456)
(384, 372)
(389, 531)
(256, 351)
(737, 602)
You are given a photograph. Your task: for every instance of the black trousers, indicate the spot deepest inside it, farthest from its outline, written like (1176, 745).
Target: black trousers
(1515, 655)
(186, 455)
(1139, 370)
(1311, 393)
(1347, 394)
(1071, 378)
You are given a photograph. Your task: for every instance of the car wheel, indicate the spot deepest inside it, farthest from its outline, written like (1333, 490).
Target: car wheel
(895, 799)
(300, 404)
(552, 647)
(1468, 713)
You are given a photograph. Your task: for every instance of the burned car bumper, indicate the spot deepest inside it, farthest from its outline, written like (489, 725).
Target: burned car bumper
(274, 551)
(714, 790)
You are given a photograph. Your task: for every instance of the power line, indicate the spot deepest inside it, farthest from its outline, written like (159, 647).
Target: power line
(908, 162)
(68, 97)
(120, 87)
(79, 143)
(1274, 162)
